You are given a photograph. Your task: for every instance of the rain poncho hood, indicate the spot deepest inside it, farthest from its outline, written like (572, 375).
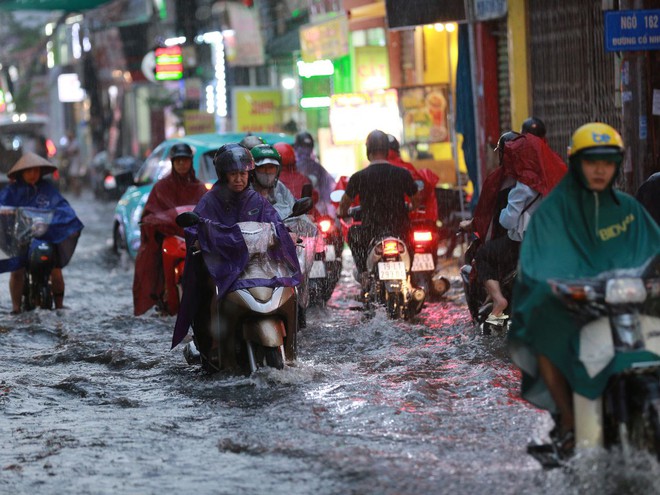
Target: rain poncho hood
(322, 182)
(224, 251)
(158, 220)
(45, 196)
(527, 159)
(575, 233)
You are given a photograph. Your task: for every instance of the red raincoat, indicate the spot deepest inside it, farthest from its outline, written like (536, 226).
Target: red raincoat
(158, 221)
(527, 159)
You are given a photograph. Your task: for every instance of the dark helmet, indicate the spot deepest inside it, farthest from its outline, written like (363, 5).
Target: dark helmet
(535, 126)
(304, 139)
(232, 157)
(377, 142)
(181, 150)
(250, 141)
(394, 143)
(505, 138)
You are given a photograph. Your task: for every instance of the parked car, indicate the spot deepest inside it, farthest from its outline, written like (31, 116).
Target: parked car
(128, 212)
(20, 133)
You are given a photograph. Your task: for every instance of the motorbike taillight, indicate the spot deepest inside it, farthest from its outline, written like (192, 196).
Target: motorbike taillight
(420, 236)
(390, 248)
(325, 224)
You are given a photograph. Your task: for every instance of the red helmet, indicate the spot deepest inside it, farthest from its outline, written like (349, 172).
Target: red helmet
(286, 152)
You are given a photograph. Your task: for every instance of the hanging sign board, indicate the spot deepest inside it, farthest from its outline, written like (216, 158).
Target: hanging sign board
(632, 30)
(424, 113)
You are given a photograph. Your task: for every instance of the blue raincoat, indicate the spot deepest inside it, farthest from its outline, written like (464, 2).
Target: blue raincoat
(224, 252)
(45, 196)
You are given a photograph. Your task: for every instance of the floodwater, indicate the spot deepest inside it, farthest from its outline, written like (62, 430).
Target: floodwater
(92, 401)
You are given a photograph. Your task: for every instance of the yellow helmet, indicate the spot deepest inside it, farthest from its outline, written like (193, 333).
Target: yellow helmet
(596, 138)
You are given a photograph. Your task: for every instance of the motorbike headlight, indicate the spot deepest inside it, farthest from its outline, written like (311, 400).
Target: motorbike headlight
(625, 290)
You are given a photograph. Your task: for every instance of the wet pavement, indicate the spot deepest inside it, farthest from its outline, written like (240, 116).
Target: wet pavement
(92, 400)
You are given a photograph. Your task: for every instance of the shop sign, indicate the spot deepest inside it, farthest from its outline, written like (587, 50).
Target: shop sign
(198, 122)
(409, 13)
(244, 44)
(424, 114)
(485, 10)
(257, 110)
(326, 40)
(169, 63)
(632, 30)
(371, 68)
(353, 116)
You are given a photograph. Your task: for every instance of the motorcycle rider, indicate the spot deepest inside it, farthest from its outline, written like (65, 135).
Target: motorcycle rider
(584, 227)
(649, 195)
(30, 188)
(179, 188)
(289, 174)
(267, 163)
(529, 170)
(224, 252)
(309, 166)
(382, 189)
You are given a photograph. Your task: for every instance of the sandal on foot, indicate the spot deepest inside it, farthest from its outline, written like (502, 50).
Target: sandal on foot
(499, 320)
(565, 444)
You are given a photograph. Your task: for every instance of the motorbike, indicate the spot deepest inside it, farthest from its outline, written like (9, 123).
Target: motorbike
(252, 327)
(174, 257)
(388, 276)
(476, 297)
(327, 265)
(111, 179)
(306, 236)
(620, 312)
(21, 229)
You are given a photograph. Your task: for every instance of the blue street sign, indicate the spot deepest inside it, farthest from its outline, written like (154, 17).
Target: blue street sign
(632, 30)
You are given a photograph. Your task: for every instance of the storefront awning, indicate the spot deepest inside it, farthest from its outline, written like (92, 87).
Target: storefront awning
(66, 5)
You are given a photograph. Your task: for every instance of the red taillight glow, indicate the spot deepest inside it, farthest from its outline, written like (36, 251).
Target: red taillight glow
(422, 236)
(390, 248)
(325, 225)
(50, 148)
(43, 258)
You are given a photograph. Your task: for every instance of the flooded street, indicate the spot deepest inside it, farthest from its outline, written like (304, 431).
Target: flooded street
(92, 400)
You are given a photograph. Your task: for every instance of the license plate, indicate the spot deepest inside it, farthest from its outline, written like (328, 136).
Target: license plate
(318, 270)
(423, 262)
(392, 270)
(330, 254)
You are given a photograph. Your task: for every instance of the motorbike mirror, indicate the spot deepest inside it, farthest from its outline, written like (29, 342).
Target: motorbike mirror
(307, 191)
(420, 185)
(301, 206)
(335, 196)
(187, 219)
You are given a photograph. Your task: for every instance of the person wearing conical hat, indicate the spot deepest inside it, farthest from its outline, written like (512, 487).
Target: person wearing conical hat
(30, 188)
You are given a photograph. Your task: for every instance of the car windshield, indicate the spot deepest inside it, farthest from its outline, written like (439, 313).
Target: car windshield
(154, 168)
(206, 167)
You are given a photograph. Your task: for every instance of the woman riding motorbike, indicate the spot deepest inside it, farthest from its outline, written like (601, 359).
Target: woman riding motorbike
(180, 188)
(224, 254)
(583, 228)
(30, 188)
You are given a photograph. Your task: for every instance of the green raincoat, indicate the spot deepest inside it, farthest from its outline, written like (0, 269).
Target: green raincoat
(575, 233)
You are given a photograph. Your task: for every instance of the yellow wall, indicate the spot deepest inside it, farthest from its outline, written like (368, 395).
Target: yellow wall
(518, 73)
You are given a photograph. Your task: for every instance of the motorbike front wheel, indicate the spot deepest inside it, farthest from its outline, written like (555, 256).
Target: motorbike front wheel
(273, 356)
(645, 429)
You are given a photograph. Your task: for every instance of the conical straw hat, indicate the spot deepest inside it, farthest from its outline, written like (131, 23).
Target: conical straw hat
(30, 160)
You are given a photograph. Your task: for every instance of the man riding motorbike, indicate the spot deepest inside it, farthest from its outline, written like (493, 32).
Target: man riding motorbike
(224, 254)
(583, 228)
(309, 166)
(29, 188)
(179, 188)
(382, 189)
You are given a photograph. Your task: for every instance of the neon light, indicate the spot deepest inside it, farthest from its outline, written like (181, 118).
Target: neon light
(316, 68)
(315, 102)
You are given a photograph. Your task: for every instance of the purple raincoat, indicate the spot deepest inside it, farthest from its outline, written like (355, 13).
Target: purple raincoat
(224, 251)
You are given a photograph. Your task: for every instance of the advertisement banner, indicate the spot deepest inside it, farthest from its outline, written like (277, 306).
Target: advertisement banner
(353, 116)
(196, 122)
(424, 113)
(326, 40)
(257, 110)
